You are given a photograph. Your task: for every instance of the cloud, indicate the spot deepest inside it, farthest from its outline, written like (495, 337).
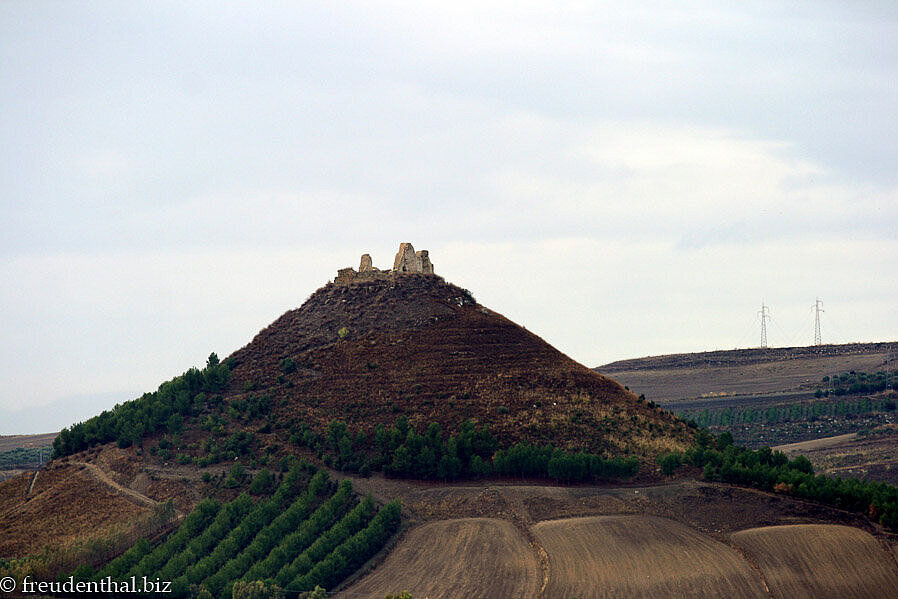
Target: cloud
(175, 178)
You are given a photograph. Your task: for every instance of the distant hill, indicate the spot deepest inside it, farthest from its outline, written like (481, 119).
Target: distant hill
(668, 378)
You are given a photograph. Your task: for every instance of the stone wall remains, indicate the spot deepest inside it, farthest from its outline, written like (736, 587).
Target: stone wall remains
(407, 261)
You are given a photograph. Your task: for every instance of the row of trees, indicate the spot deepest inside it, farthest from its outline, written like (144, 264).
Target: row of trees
(353, 521)
(773, 471)
(162, 410)
(308, 532)
(401, 451)
(798, 412)
(353, 552)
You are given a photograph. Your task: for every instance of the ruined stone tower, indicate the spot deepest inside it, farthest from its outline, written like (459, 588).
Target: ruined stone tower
(407, 261)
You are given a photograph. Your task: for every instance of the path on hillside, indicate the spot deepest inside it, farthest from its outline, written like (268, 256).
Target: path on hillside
(131, 494)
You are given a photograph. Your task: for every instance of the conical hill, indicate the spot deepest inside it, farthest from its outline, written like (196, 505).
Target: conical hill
(370, 350)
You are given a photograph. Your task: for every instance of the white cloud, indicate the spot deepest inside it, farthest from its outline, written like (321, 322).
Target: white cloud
(641, 176)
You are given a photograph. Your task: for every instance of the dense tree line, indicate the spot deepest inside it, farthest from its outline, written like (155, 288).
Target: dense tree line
(770, 470)
(402, 452)
(162, 410)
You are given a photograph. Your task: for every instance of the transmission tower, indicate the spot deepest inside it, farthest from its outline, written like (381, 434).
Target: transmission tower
(818, 339)
(764, 313)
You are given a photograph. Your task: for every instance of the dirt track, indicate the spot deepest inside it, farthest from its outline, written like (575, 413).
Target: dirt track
(130, 494)
(66, 504)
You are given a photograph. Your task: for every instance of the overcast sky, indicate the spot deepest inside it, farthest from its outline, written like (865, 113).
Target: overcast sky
(623, 181)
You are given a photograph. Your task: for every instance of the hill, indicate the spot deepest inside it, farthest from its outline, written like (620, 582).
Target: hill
(414, 345)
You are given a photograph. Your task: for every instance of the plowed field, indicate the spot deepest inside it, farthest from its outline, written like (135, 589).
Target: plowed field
(636, 556)
(449, 559)
(820, 561)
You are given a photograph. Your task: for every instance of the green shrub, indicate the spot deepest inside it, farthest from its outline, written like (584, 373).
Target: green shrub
(670, 462)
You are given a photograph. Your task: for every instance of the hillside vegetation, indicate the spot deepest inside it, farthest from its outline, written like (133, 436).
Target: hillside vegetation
(309, 532)
(370, 355)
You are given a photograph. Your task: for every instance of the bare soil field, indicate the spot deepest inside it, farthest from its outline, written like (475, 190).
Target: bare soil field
(448, 559)
(711, 508)
(678, 536)
(803, 447)
(10, 442)
(637, 556)
(820, 561)
(666, 379)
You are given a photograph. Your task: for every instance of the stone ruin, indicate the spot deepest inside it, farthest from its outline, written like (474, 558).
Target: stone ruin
(407, 262)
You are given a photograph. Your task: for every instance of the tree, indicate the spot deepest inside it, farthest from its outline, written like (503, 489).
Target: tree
(256, 589)
(262, 482)
(669, 462)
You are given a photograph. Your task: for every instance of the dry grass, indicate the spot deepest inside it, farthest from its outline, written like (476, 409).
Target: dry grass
(66, 505)
(10, 442)
(638, 556)
(450, 559)
(820, 561)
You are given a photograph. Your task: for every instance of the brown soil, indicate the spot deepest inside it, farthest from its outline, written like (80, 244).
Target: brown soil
(746, 371)
(87, 495)
(10, 442)
(667, 540)
(68, 503)
(420, 347)
(711, 508)
(820, 562)
(471, 557)
(638, 556)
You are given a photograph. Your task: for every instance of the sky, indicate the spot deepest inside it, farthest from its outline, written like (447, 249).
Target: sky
(623, 179)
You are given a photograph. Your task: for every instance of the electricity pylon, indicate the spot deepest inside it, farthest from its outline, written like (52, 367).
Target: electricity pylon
(818, 338)
(764, 313)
